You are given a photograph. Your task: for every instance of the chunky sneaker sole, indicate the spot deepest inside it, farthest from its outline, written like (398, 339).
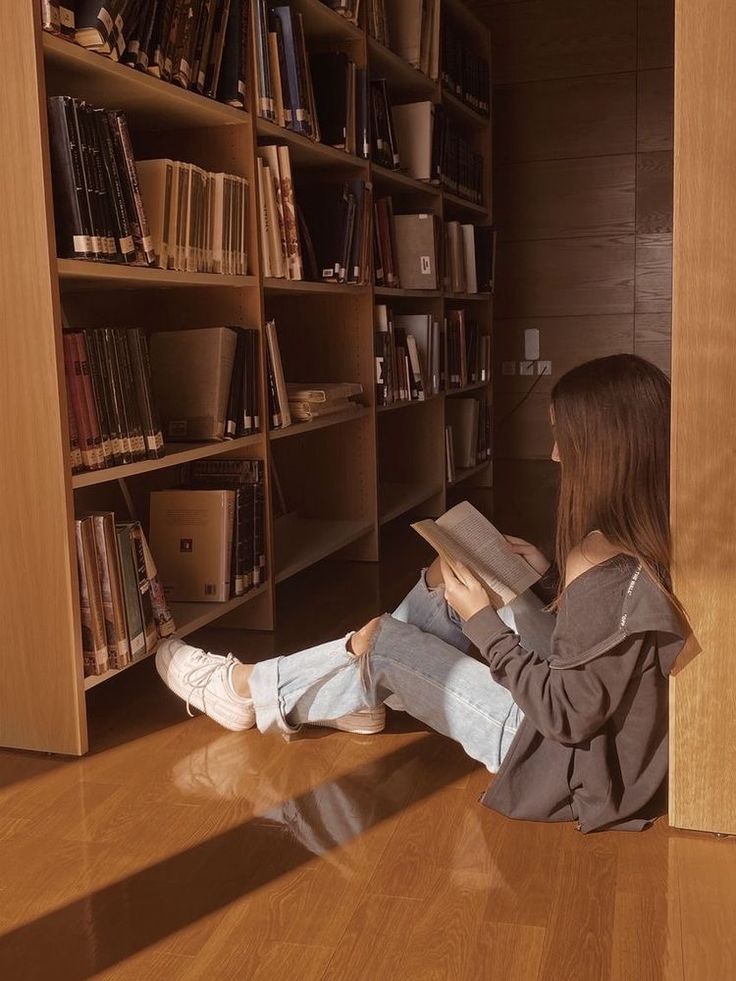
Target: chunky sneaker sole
(364, 722)
(204, 682)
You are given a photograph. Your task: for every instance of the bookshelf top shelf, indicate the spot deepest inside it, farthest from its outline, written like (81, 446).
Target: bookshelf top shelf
(395, 181)
(76, 275)
(401, 78)
(149, 102)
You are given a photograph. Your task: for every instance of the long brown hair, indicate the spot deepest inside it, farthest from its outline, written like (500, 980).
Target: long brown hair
(611, 419)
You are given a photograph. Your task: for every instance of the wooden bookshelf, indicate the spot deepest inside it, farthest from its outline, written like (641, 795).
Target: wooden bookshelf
(344, 476)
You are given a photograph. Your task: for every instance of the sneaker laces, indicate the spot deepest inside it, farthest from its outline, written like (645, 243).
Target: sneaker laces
(199, 677)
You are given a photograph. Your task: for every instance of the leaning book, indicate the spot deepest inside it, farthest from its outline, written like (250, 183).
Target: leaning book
(462, 534)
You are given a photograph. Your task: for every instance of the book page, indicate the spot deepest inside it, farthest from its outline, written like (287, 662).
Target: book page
(487, 549)
(449, 550)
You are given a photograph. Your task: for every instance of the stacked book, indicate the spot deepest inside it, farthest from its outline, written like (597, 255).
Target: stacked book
(408, 352)
(205, 383)
(468, 352)
(200, 45)
(335, 231)
(197, 219)
(298, 401)
(467, 434)
(280, 239)
(209, 537)
(407, 248)
(113, 418)
(465, 74)
(411, 28)
(470, 257)
(314, 400)
(124, 612)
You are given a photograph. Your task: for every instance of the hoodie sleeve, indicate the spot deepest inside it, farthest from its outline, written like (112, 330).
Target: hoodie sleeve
(570, 700)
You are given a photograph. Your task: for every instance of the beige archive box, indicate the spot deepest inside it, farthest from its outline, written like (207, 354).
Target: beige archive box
(191, 537)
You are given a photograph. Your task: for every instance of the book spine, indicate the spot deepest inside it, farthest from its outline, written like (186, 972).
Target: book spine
(72, 371)
(117, 643)
(123, 134)
(199, 39)
(125, 243)
(88, 408)
(91, 367)
(204, 57)
(153, 438)
(214, 67)
(135, 425)
(94, 646)
(150, 632)
(161, 613)
(72, 230)
(50, 16)
(75, 452)
(131, 594)
(91, 194)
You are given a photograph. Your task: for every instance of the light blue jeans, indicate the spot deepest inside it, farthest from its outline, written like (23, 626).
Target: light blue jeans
(419, 659)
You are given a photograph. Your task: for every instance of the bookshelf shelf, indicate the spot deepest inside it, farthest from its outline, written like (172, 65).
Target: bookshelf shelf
(460, 207)
(467, 297)
(83, 274)
(305, 153)
(389, 292)
(397, 499)
(467, 388)
(467, 472)
(395, 180)
(322, 22)
(188, 617)
(300, 542)
(338, 419)
(402, 79)
(305, 288)
(463, 112)
(177, 453)
(149, 102)
(405, 403)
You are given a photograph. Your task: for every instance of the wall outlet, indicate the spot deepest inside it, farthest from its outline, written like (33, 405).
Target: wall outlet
(508, 368)
(526, 367)
(544, 367)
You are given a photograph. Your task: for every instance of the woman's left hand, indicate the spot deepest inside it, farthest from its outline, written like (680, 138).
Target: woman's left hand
(465, 594)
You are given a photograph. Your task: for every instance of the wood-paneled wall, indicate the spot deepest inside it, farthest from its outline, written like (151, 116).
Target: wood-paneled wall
(583, 203)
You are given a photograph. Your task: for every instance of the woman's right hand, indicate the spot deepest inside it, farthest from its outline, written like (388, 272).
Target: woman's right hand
(539, 562)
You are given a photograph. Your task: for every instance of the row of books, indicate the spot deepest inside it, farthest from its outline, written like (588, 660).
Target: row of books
(410, 28)
(469, 258)
(111, 208)
(292, 402)
(467, 434)
(112, 415)
(209, 535)
(465, 74)
(419, 252)
(325, 237)
(408, 353)
(198, 220)
(320, 95)
(417, 356)
(200, 45)
(123, 399)
(420, 139)
(124, 612)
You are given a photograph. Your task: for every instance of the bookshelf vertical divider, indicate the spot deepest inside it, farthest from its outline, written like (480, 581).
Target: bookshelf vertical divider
(348, 474)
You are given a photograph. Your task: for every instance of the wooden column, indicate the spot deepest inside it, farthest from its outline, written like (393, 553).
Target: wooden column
(703, 692)
(40, 669)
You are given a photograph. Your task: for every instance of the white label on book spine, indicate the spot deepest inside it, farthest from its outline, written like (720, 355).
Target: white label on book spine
(97, 244)
(67, 17)
(185, 69)
(127, 244)
(82, 243)
(426, 265)
(241, 88)
(106, 19)
(147, 243)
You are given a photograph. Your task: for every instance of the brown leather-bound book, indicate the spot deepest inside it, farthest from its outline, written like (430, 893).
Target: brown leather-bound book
(94, 642)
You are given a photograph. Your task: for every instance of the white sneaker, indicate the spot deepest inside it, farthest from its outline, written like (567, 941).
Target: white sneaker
(204, 681)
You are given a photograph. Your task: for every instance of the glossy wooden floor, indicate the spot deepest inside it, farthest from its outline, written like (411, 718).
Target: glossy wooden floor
(177, 850)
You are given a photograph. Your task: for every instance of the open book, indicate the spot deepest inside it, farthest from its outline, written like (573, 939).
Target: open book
(462, 534)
